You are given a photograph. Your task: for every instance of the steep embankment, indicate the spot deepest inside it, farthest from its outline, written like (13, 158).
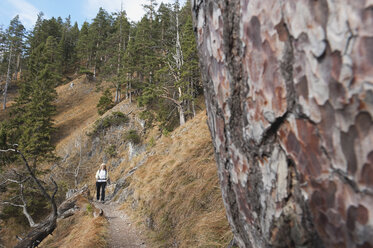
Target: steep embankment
(175, 190)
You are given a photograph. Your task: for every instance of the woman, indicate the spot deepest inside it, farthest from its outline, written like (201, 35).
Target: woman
(101, 179)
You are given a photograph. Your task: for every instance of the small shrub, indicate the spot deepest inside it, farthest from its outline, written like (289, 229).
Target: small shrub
(165, 132)
(111, 151)
(89, 209)
(105, 103)
(115, 119)
(148, 117)
(151, 142)
(87, 72)
(132, 136)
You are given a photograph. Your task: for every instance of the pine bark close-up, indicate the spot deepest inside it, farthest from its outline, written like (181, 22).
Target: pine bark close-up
(289, 95)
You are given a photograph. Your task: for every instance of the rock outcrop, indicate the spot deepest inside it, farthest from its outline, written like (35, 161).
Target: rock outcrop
(289, 94)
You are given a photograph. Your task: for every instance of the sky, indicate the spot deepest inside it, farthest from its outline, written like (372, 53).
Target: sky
(79, 10)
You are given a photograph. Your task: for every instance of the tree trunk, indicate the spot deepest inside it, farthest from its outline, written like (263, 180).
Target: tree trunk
(94, 71)
(95, 65)
(194, 109)
(288, 95)
(36, 235)
(8, 78)
(120, 39)
(193, 98)
(130, 88)
(181, 109)
(181, 114)
(77, 169)
(18, 64)
(117, 93)
(119, 84)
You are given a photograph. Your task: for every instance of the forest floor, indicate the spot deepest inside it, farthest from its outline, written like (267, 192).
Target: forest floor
(122, 232)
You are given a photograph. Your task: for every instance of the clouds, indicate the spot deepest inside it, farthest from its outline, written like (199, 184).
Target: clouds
(26, 11)
(80, 10)
(133, 8)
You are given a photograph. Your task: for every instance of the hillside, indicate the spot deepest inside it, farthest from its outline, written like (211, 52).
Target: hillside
(167, 183)
(76, 108)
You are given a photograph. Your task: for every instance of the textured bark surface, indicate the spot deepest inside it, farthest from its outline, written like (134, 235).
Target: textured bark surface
(289, 94)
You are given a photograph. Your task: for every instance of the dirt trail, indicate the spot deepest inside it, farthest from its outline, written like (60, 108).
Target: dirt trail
(122, 233)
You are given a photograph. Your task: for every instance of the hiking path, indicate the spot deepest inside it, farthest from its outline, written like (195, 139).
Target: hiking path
(122, 233)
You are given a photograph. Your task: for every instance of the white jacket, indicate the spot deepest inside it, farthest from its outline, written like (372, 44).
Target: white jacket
(102, 176)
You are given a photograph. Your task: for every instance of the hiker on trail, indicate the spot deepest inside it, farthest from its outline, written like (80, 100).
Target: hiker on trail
(101, 180)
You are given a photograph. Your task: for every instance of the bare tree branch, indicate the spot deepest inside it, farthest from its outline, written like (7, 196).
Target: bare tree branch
(8, 150)
(11, 204)
(24, 205)
(178, 103)
(24, 209)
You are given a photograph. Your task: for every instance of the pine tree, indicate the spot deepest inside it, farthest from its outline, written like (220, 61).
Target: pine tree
(34, 109)
(105, 103)
(36, 38)
(43, 29)
(119, 43)
(16, 33)
(67, 45)
(37, 127)
(98, 33)
(150, 10)
(3, 60)
(164, 20)
(83, 46)
(72, 44)
(128, 70)
(190, 72)
(14, 40)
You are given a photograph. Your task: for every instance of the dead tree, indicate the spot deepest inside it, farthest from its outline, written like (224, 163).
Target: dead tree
(288, 87)
(43, 229)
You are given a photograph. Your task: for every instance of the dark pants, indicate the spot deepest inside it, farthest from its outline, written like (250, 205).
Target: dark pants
(101, 185)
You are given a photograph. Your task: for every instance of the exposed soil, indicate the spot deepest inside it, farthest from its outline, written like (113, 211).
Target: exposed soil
(122, 233)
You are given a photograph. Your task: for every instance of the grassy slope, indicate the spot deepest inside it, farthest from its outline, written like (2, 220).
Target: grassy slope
(76, 109)
(177, 188)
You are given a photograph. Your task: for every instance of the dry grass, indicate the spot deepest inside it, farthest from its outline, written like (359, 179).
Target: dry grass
(11, 96)
(76, 109)
(79, 231)
(8, 235)
(178, 187)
